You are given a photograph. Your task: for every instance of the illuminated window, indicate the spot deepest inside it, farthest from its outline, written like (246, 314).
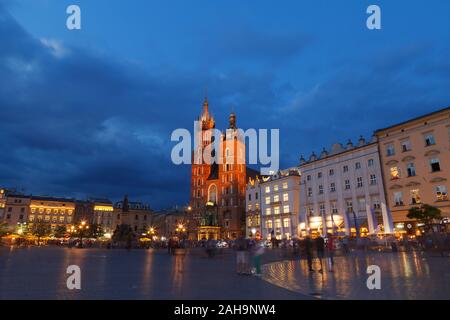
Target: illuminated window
(249, 207)
(257, 206)
(415, 197)
(268, 212)
(269, 224)
(286, 209)
(31, 218)
(285, 185)
(276, 210)
(47, 218)
(267, 189)
(398, 198)
(267, 200)
(285, 197)
(276, 198)
(54, 218)
(275, 187)
(441, 193)
(286, 222)
(277, 223)
(395, 173)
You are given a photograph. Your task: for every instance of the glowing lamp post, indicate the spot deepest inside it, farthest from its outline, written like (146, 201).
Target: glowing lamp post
(81, 228)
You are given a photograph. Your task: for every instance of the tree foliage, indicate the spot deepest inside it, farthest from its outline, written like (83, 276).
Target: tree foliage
(426, 214)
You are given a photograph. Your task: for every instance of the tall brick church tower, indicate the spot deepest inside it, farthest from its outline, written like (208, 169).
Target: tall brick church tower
(218, 190)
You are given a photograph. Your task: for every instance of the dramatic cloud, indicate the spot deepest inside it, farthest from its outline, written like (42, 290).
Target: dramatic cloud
(76, 121)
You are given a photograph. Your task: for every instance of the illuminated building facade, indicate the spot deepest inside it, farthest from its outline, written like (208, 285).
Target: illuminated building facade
(103, 215)
(415, 157)
(218, 189)
(342, 191)
(253, 208)
(280, 204)
(17, 210)
(3, 196)
(56, 211)
(137, 215)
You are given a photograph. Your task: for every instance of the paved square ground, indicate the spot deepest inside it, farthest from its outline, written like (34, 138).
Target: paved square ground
(40, 273)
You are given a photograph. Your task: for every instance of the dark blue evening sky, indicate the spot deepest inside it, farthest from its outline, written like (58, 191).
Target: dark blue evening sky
(90, 112)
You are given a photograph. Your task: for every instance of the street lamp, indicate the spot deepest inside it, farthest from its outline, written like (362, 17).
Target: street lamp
(253, 232)
(82, 227)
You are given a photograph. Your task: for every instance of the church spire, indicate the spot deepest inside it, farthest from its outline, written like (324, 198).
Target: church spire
(205, 107)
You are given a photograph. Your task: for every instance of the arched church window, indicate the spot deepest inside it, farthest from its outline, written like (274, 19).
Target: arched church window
(212, 193)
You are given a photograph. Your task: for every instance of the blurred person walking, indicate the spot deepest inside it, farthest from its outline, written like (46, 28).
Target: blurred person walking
(320, 249)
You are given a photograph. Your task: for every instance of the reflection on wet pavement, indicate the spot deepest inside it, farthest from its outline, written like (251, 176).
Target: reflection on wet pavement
(403, 276)
(40, 273)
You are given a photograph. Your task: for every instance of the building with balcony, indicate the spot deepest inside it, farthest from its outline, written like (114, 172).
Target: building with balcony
(415, 159)
(342, 191)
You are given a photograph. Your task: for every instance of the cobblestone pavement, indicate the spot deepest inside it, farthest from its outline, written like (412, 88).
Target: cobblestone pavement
(40, 273)
(403, 276)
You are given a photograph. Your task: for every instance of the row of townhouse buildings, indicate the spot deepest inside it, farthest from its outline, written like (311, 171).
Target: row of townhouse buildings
(362, 188)
(20, 210)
